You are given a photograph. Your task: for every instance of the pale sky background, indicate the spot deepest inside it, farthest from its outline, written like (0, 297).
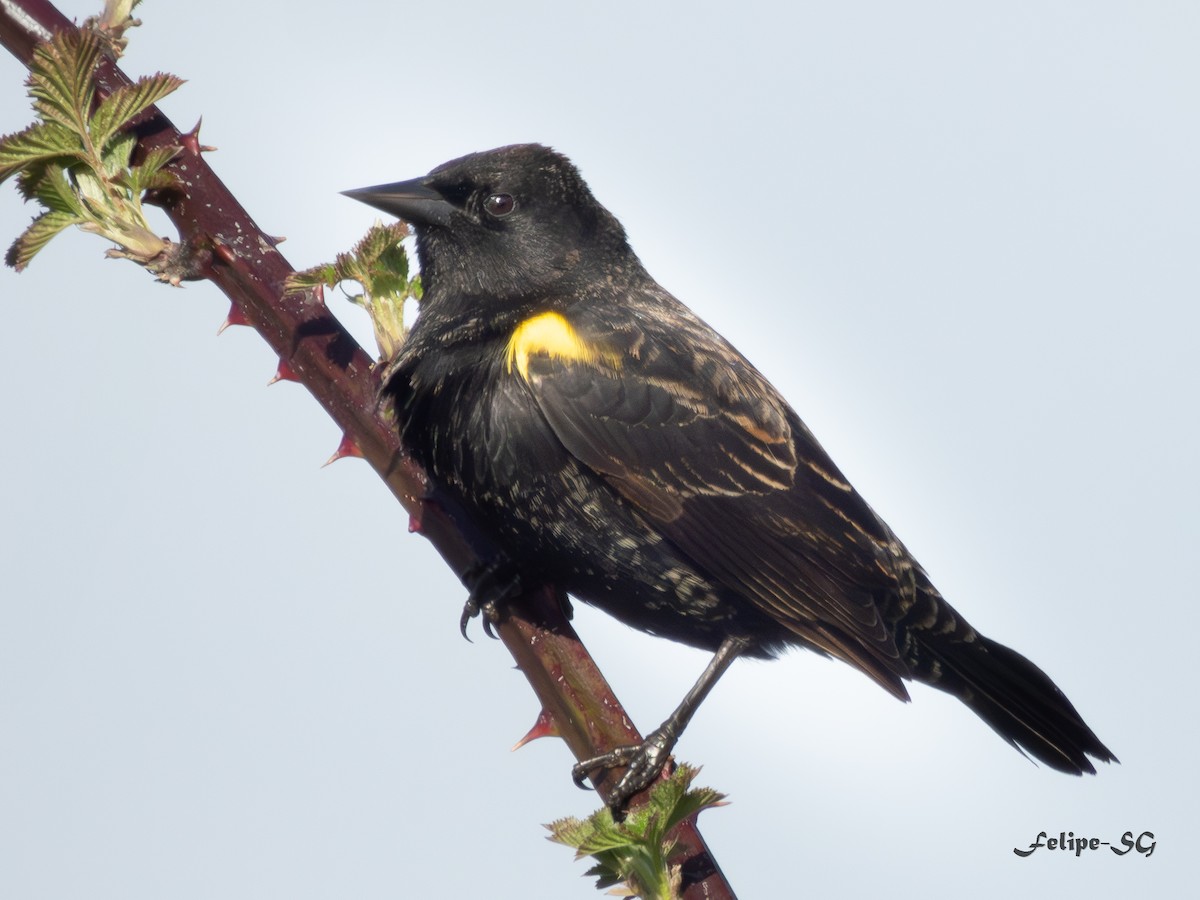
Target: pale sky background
(963, 239)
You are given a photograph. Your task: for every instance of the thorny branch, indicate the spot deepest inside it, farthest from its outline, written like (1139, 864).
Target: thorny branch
(225, 246)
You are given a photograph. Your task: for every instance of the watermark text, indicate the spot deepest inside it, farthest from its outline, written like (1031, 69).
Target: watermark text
(1143, 843)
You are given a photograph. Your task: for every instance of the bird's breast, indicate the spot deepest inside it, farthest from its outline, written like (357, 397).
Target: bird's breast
(468, 417)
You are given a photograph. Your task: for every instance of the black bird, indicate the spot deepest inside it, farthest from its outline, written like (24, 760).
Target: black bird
(611, 442)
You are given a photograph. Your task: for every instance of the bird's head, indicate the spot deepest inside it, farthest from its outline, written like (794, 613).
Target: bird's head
(515, 222)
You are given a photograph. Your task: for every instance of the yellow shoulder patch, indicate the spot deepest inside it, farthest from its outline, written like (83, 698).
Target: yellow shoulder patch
(550, 334)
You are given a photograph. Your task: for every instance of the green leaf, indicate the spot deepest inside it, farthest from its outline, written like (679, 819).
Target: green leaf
(380, 242)
(391, 270)
(636, 850)
(379, 263)
(40, 142)
(605, 835)
(149, 174)
(604, 877)
(157, 158)
(138, 180)
(569, 830)
(36, 236)
(691, 803)
(91, 189)
(127, 102)
(56, 193)
(61, 82)
(84, 177)
(317, 276)
(116, 157)
(394, 259)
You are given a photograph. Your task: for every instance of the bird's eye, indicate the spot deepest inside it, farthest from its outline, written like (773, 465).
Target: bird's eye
(499, 205)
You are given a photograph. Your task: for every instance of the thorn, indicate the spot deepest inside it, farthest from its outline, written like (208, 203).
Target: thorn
(269, 242)
(283, 373)
(235, 317)
(414, 524)
(348, 447)
(543, 727)
(276, 239)
(191, 140)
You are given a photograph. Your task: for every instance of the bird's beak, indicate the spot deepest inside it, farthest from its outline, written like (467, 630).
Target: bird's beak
(414, 201)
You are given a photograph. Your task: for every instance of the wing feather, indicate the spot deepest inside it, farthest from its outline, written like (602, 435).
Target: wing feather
(705, 448)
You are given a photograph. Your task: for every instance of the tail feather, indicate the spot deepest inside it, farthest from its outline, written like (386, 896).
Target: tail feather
(1018, 700)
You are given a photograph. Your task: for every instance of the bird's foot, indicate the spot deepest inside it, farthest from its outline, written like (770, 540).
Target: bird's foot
(491, 584)
(644, 762)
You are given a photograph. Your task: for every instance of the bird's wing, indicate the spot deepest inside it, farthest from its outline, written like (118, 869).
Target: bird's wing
(704, 447)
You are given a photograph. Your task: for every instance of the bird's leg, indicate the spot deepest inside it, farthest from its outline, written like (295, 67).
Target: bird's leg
(645, 760)
(490, 584)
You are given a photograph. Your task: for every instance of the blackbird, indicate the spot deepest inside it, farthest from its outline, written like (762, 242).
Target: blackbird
(611, 442)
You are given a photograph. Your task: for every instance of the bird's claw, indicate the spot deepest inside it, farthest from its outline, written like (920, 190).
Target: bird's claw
(644, 762)
(490, 584)
(472, 608)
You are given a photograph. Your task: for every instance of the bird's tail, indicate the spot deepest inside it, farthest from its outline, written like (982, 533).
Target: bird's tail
(1016, 698)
